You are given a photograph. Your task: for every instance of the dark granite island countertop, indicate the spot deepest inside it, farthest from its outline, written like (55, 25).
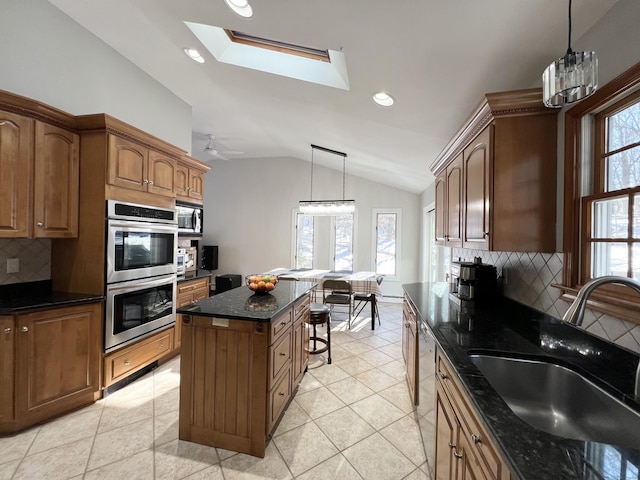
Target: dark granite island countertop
(242, 304)
(508, 327)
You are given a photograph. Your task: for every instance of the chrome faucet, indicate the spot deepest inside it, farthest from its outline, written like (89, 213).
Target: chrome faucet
(575, 314)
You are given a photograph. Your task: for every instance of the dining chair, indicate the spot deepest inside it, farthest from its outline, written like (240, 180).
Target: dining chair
(338, 292)
(360, 301)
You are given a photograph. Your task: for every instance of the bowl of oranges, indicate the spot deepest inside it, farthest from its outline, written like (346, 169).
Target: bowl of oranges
(261, 284)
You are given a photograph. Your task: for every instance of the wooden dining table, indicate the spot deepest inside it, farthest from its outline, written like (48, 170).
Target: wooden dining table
(361, 282)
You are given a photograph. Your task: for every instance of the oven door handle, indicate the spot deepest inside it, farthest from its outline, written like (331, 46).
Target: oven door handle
(140, 284)
(128, 225)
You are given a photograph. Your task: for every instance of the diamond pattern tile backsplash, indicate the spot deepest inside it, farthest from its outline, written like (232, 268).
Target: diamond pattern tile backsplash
(527, 278)
(34, 260)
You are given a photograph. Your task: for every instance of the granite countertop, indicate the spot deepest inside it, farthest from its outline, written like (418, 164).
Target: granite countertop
(194, 274)
(242, 304)
(21, 297)
(507, 326)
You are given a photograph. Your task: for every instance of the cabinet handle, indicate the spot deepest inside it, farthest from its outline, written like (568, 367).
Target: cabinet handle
(193, 287)
(281, 394)
(145, 181)
(162, 345)
(127, 363)
(443, 376)
(39, 224)
(457, 455)
(150, 182)
(283, 323)
(7, 330)
(452, 445)
(282, 354)
(24, 328)
(485, 235)
(476, 438)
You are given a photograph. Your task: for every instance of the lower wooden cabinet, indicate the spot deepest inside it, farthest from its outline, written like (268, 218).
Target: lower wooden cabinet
(189, 291)
(126, 361)
(410, 347)
(463, 447)
(50, 363)
(238, 376)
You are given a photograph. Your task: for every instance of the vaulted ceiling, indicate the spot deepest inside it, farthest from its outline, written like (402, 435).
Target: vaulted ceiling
(436, 57)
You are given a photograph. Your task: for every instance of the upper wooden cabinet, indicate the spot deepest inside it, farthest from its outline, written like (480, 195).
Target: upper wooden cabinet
(190, 179)
(39, 184)
(135, 167)
(504, 157)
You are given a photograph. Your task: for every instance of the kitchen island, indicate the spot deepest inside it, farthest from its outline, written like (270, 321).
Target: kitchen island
(243, 356)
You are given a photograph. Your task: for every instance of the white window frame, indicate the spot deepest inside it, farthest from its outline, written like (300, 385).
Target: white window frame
(374, 240)
(294, 239)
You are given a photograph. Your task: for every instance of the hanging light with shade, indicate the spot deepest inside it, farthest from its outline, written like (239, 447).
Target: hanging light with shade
(327, 207)
(570, 78)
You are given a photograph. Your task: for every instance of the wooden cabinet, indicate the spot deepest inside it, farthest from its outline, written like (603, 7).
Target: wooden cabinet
(190, 180)
(449, 196)
(50, 363)
(237, 377)
(122, 363)
(300, 339)
(464, 450)
(40, 181)
(501, 169)
(410, 347)
(189, 291)
(135, 167)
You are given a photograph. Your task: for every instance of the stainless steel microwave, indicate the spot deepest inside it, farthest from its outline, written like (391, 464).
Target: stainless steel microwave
(190, 218)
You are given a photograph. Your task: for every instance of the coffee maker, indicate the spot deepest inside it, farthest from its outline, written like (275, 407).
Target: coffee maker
(474, 281)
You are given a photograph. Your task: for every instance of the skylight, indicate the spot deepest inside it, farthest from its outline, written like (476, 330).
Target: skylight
(323, 67)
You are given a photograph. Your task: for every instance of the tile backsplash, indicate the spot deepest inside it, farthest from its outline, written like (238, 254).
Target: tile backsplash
(528, 279)
(34, 258)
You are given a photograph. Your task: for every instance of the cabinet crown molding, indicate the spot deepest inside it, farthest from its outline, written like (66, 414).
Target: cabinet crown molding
(491, 107)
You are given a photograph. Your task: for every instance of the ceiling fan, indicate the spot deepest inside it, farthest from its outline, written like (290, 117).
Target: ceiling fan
(212, 150)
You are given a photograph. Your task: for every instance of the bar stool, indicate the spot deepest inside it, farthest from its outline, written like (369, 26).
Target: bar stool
(319, 314)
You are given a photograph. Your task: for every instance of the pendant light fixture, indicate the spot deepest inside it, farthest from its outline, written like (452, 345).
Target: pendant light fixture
(327, 207)
(570, 78)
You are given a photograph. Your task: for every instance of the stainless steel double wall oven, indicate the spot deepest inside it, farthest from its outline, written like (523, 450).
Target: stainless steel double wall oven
(141, 271)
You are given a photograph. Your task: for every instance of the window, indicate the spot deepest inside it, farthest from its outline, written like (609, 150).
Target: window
(324, 242)
(602, 192)
(304, 245)
(343, 242)
(387, 242)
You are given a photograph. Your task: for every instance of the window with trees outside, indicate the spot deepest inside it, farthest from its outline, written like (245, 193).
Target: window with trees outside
(602, 192)
(304, 241)
(335, 233)
(387, 231)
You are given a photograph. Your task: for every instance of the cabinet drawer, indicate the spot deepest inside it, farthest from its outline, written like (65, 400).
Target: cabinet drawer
(279, 325)
(300, 310)
(279, 357)
(121, 363)
(193, 285)
(278, 398)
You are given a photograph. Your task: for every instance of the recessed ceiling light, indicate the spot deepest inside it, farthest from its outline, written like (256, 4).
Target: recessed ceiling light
(383, 99)
(241, 7)
(194, 54)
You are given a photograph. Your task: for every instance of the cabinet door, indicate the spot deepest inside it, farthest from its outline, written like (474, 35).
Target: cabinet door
(454, 203)
(16, 175)
(127, 164)
(7, 368)
(441, 208)
(162, 174)
(446, 438)
(56, 182)
(196, 184)
(467, 466)
(58, 359)
(182, 180)
(478, 162)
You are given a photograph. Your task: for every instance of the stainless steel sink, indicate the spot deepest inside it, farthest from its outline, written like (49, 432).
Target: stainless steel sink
(559, 401)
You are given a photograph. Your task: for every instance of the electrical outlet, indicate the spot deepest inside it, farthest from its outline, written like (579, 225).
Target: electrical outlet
(13, 265)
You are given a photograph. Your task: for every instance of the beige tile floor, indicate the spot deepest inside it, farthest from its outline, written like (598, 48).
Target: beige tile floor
(349, 420)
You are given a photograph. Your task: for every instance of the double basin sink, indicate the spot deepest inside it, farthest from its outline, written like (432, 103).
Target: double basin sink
(557, 400)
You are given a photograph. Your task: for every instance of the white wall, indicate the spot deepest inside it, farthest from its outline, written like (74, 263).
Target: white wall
(249, 205)
(48, 57)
